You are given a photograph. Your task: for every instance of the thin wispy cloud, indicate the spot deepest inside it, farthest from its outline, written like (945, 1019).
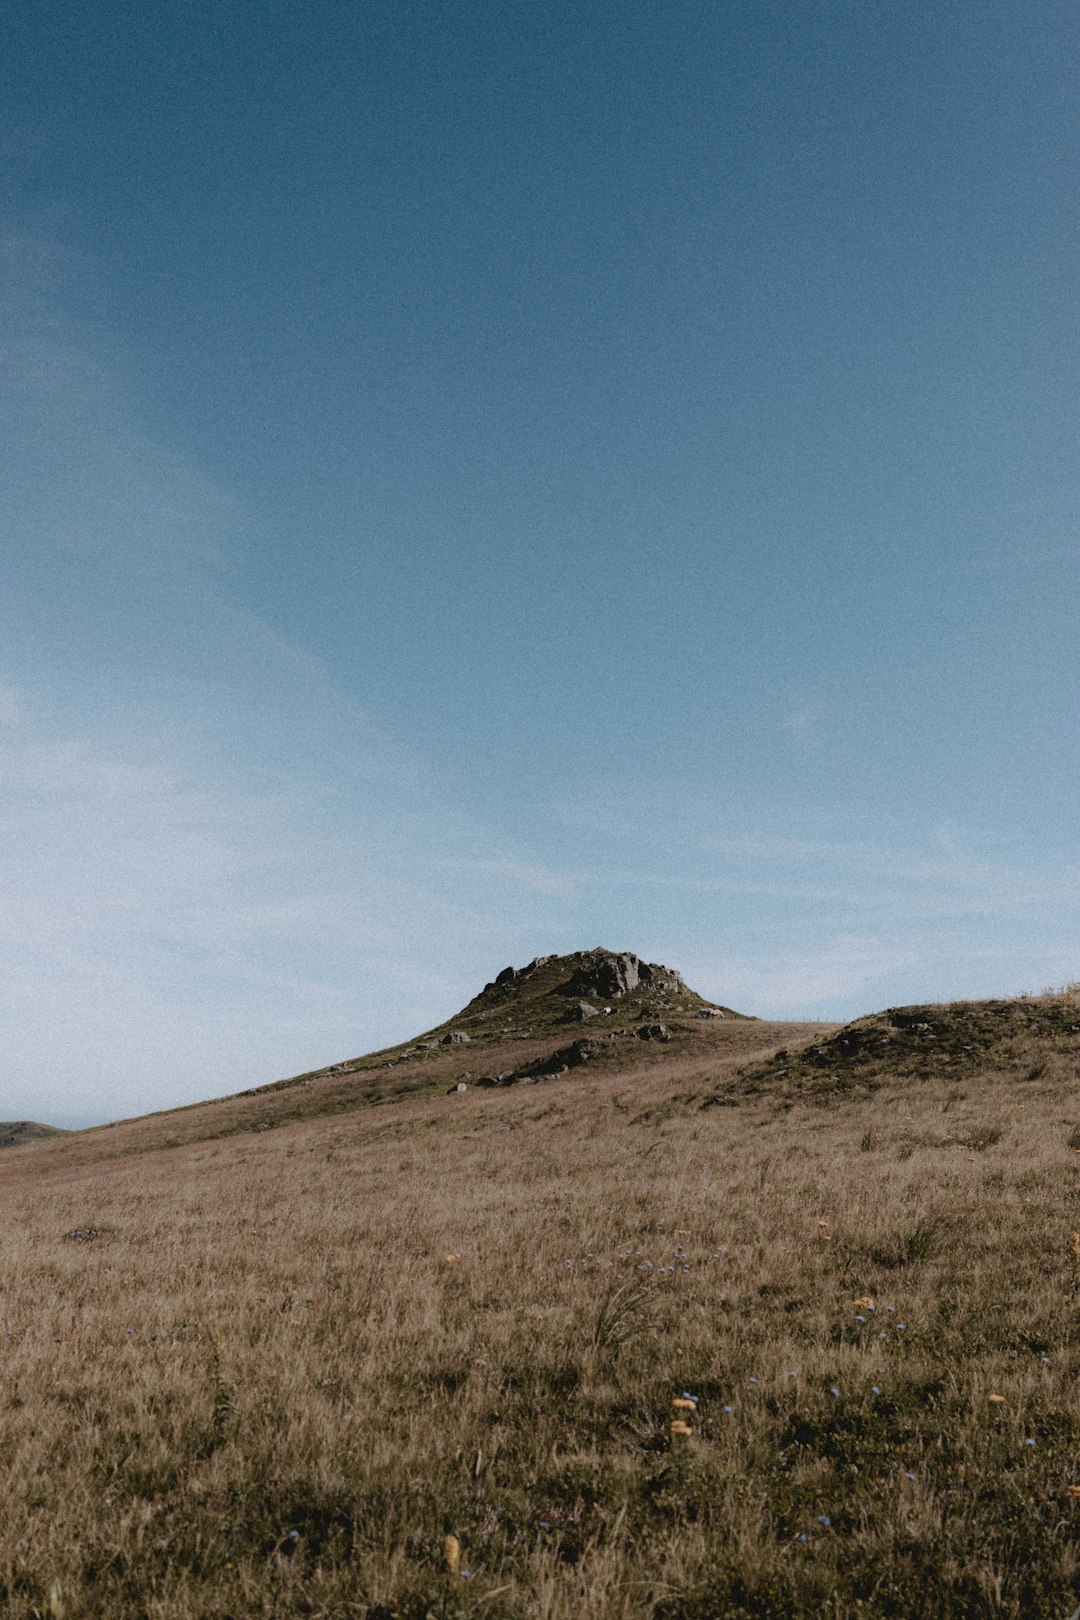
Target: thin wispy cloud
(805, 722)
(532, 879)
(217, 868)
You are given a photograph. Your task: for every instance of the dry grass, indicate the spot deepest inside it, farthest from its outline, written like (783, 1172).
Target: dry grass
(273, 1373)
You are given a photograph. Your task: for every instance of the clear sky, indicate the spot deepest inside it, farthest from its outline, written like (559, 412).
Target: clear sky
(489, 477)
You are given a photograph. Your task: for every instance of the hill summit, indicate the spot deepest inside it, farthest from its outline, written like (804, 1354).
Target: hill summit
(578, 988)
(515, 1028)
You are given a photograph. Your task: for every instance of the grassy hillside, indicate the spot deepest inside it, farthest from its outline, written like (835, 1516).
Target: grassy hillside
(270, 1373)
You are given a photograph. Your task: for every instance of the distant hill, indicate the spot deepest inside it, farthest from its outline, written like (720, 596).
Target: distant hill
(595, 1012)
(609, 996)
(13, 1133)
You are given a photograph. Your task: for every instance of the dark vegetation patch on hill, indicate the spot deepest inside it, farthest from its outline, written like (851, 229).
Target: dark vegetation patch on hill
(13, 1133)
(1019, 1037)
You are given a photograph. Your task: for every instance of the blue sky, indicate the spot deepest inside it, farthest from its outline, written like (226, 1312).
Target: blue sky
(479, 480)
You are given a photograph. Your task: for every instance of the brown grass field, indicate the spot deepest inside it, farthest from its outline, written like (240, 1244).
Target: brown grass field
(263, 1372)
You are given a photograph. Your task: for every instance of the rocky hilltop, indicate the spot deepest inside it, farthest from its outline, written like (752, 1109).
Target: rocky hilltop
(516, 1028)
(580, 987)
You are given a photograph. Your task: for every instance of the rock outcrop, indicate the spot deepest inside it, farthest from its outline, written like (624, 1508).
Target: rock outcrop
(581, 987)
(609, 974)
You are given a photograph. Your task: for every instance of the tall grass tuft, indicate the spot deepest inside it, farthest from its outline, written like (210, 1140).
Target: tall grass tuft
(624, 1314)
(224, 1406)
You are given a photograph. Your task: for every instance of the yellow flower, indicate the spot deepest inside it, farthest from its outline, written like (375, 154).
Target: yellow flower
(450, 1259)
(998, 1400)
(685, 1406)
(865, 1300)
(1073, 1491)
(451, 1549)
(678, 1427)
